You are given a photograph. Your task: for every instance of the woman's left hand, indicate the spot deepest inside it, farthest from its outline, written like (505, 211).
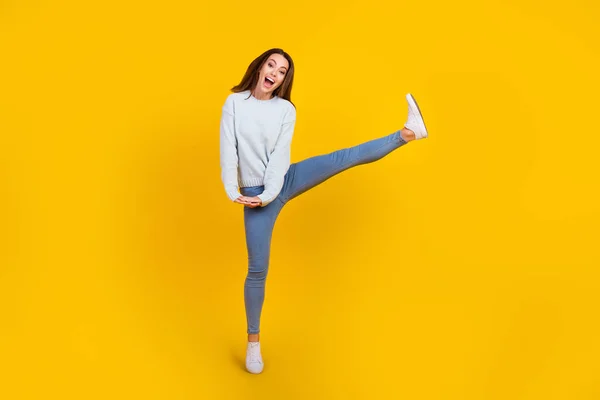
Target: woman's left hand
(251, 202)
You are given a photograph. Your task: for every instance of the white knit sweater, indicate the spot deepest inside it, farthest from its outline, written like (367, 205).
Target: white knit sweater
(255, 144)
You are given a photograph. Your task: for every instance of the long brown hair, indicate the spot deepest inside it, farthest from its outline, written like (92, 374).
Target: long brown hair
(250, 79)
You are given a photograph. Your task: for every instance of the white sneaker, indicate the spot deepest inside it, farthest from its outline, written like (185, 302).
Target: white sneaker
(415, 120)
(254, 363)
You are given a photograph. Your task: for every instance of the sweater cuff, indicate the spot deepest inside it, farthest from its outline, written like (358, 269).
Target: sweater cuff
(233, 194)
(265, 200)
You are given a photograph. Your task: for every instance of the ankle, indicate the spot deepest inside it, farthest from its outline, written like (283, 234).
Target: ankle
(253, 337)
(407, 134)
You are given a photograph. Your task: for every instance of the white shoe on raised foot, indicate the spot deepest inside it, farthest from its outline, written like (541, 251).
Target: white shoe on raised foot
(254, 362)
(415, 120)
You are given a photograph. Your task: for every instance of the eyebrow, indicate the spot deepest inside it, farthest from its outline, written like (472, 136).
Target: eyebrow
(270, 59)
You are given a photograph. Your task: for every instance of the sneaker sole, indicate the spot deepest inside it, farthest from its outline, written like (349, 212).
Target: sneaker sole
(414, 102)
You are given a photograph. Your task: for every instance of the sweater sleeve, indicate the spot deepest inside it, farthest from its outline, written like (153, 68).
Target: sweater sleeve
(279, 159)
(228, 151)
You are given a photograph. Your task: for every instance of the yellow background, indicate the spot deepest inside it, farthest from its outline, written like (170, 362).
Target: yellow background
(464, 266)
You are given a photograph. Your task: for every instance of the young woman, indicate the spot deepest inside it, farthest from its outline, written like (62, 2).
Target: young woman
(257, 125)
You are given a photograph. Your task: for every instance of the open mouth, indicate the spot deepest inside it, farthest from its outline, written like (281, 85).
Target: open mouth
(269, 82)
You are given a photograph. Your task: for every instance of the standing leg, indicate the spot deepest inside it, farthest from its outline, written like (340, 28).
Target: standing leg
(313, 171)
(258, 223)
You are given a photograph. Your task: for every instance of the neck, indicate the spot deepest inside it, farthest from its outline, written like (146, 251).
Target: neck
(261, 96)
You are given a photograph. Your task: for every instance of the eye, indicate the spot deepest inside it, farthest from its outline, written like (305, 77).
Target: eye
(282, 72)
(270, 65)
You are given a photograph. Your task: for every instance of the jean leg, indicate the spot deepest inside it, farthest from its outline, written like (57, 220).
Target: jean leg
(258, 223)
(313, 171)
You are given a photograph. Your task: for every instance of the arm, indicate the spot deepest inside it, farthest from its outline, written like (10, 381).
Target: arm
(279, 160)
(228, 152)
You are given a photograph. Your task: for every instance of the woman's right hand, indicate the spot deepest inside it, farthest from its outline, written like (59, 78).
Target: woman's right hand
(247, 201)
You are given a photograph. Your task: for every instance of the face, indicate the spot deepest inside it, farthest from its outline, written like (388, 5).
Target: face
(272, 74)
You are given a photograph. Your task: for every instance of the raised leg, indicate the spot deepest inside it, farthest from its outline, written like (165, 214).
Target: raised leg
(313, 171)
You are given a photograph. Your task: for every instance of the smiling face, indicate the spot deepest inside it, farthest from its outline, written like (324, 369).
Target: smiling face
(271, 76)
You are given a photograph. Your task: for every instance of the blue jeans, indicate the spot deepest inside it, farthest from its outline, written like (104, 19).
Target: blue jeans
(301, 176)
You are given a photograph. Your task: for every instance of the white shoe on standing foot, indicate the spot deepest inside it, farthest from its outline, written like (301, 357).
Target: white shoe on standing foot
(415, 120)
(254, 362)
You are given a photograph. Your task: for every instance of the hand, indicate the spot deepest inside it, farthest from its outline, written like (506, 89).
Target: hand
(251, 202)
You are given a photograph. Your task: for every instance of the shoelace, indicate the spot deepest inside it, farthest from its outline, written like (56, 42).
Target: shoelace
(254, 351)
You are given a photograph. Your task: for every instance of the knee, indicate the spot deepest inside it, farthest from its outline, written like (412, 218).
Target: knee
(257, 275)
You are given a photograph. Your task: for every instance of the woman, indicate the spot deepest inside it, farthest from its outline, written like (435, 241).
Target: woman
(257, 125)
